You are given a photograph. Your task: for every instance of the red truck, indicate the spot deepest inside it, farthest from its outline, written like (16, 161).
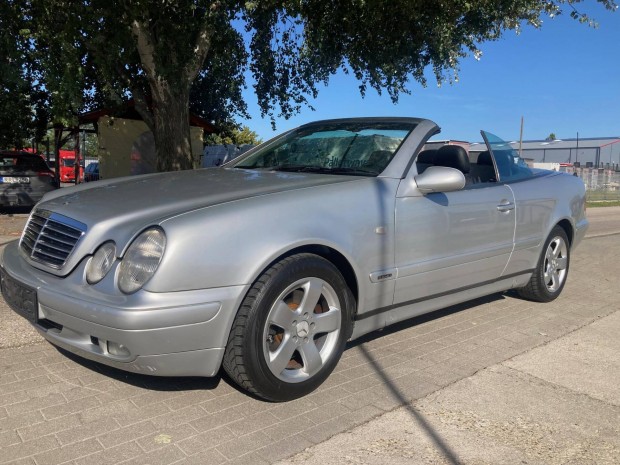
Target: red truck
(67, 166)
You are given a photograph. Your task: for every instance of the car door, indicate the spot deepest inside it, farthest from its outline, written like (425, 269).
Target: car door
(451, 242)
(534, 206)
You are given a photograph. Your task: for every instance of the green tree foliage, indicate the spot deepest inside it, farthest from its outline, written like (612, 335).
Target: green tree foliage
(232, 134)
(89, 143)
(23, 101)
(169, 53)
(551, 136)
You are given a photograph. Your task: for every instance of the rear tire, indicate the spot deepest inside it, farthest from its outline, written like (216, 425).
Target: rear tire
(291, 329)
(551, 272)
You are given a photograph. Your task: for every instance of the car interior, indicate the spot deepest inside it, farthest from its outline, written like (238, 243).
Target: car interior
(477, 168)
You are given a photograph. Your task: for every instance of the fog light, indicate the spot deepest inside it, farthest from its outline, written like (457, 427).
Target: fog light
(117, 349)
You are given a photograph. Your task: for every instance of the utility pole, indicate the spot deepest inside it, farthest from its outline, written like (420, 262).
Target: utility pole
(58, 130)
(76, 149)
(521, 140)
(577, 149)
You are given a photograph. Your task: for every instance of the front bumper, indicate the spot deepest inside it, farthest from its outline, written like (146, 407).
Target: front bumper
(165, 334)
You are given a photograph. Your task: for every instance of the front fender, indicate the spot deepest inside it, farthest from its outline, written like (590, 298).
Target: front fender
(232, 243)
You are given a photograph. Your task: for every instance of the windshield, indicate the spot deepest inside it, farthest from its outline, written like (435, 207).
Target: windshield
(70, 162)
(510, 165)
(354, 148)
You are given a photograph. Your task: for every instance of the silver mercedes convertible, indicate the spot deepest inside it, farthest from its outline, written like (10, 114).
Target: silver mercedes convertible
(268, 265)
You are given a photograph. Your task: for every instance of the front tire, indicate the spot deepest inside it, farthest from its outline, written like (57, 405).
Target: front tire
(551, 272)
(291, 329)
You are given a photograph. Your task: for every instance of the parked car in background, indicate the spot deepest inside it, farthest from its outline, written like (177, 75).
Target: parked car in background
(91, 172)
(269, 264)
(24, 179)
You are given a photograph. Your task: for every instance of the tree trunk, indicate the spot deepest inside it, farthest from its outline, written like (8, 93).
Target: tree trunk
(171, 128)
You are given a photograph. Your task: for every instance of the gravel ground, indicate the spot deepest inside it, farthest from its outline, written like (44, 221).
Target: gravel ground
(12, 224)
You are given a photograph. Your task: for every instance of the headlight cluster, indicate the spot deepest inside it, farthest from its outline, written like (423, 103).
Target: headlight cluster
(101, 263)
(141, 260)
(137, 266)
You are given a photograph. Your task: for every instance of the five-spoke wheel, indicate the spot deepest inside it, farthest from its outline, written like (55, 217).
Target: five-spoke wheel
(549, 277)
(291, 328)
(556, 264)
(302, 329)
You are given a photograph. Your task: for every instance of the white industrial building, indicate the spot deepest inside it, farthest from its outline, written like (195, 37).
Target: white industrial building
(590, 152)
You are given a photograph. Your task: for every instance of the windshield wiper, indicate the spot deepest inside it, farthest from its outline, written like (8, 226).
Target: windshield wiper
(297, 168)
(353, 171)
(324, 170)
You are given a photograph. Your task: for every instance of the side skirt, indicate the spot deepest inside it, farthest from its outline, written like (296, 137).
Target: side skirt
(384, 316)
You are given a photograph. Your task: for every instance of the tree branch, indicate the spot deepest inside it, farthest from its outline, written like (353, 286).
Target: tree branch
(138, 97)
(144, 44)
(201, 48)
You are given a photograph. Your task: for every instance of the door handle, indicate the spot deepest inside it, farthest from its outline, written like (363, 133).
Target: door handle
(506, 207)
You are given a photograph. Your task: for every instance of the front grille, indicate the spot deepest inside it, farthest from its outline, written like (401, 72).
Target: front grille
(49, 238)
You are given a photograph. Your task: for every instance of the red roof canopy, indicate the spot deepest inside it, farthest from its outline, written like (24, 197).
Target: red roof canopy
(130, 112)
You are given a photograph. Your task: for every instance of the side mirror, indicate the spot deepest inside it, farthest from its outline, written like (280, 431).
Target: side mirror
(440, 179)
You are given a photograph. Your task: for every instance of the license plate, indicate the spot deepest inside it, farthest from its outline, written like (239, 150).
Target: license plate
(21, 298)
(14, 180)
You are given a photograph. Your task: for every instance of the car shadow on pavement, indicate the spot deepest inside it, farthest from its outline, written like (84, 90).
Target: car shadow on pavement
(436, 315)
(155, 383)
(158, 383)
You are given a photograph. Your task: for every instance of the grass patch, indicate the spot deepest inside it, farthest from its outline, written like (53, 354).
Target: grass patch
(597, 196)
(602, 203)
(603, 198)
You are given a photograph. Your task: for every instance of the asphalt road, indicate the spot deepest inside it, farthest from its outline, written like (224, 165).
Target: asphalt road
(497, 380)
(603, 220)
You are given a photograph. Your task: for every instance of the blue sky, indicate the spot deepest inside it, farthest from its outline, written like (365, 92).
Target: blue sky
(563, 78)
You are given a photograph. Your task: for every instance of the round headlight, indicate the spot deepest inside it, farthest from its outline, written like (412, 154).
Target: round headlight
(141, 260)
(100, 264)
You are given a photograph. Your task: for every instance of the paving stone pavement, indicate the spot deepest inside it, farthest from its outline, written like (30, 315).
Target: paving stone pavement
(58, 409)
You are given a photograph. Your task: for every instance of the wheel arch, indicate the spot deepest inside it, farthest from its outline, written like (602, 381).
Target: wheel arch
(567, 226)
(330, 254)
(247, 363)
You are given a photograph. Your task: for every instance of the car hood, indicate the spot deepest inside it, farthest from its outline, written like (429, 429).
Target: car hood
(118, 209)
(152, 198)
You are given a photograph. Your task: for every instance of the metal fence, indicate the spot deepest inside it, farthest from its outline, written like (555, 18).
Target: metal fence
(602, 184)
